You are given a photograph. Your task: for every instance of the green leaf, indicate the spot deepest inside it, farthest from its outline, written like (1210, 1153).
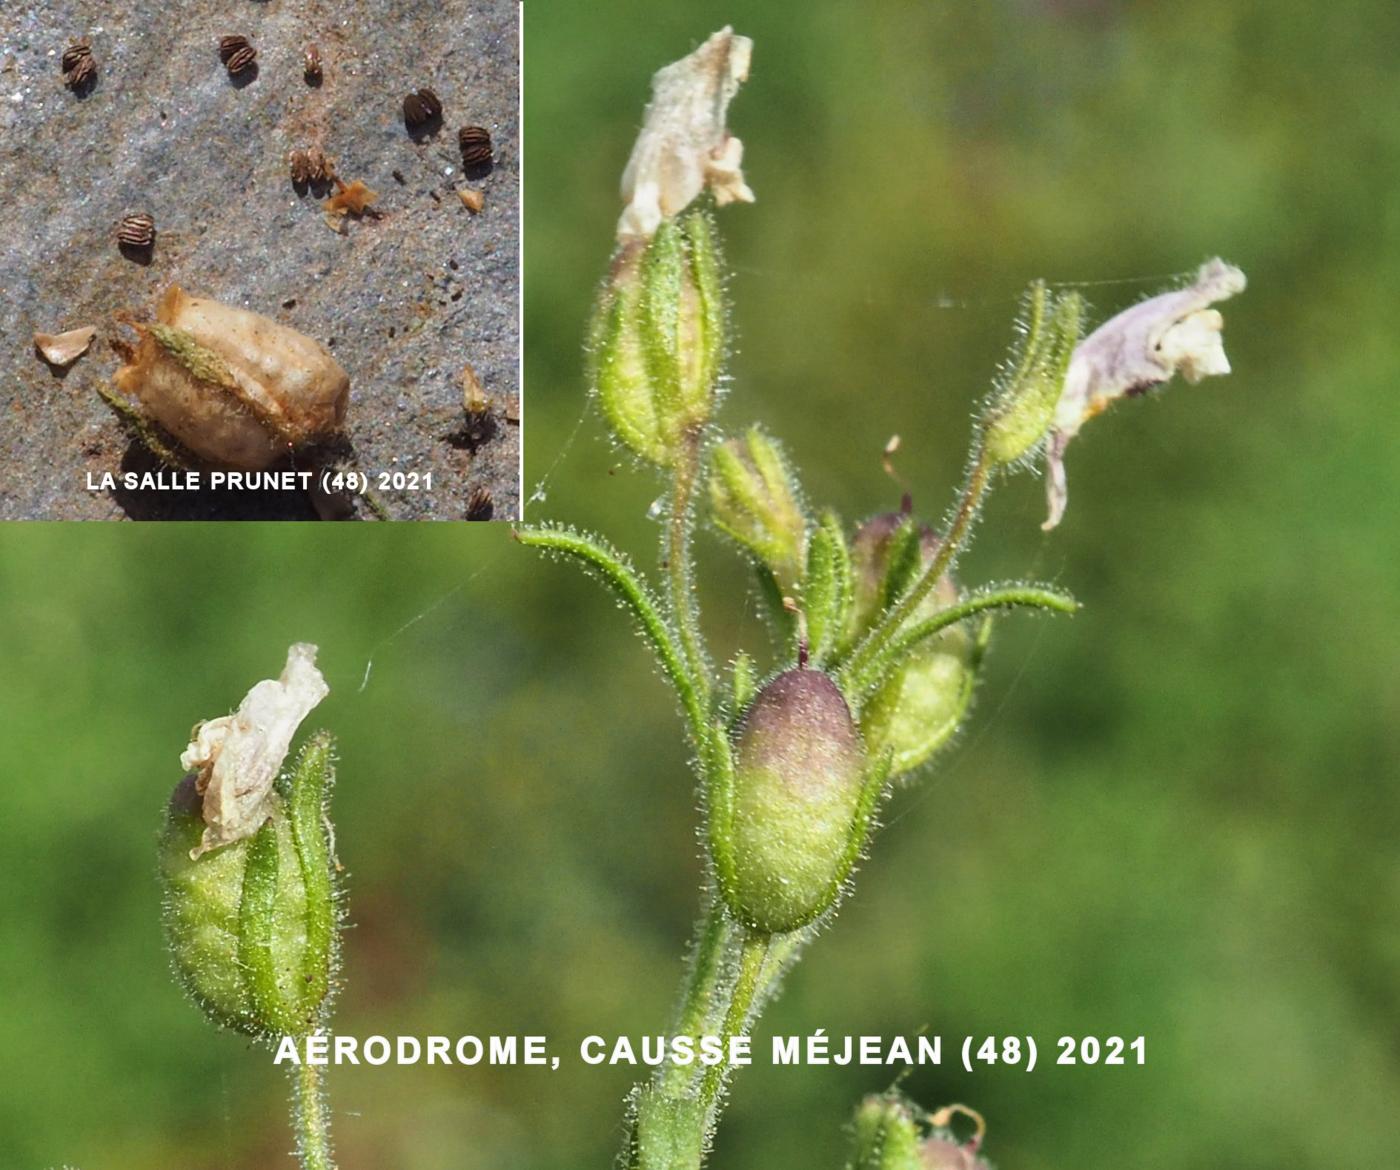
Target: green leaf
(903, 643)
(613, 570)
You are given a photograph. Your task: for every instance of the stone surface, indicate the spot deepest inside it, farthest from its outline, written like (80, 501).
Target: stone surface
(403, 301)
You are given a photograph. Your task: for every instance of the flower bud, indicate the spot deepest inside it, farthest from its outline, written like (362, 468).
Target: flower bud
(798, 786)
(658, 338)
(918, 707)
(245, 857)
(754, 499)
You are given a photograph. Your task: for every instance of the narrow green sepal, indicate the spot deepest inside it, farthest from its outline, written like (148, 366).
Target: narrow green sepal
(904, 559)
(745, 680)
(257, 933)
(826, 587)
(1022, 408)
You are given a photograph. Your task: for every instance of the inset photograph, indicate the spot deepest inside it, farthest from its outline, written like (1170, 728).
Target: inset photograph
(264, 261)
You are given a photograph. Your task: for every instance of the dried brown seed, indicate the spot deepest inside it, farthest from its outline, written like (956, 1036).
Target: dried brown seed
(480, 505)
(77, 51)
(242, 60)
(79, 65)
(137, 231)
(311, 63)
(300, 166)
(475, 142)
(420, 108)
(82, 73)
(472, 199)
(322, 165)
(228, 46)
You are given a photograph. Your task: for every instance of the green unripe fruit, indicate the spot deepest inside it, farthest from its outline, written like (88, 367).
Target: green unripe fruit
(917, 709)
(798, 783)
(251, 925)
(658, 338)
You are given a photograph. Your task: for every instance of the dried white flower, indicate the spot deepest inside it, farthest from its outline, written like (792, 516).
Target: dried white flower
(61, 349)
(1139, 349)
(684, 145)
(236, 758)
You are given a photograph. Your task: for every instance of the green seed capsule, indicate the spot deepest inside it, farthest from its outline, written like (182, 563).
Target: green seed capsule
(918, 708)
(798, 787)
(251, 925)
(658, 337)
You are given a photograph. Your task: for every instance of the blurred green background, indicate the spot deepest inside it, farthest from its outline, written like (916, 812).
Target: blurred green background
(1175, 815)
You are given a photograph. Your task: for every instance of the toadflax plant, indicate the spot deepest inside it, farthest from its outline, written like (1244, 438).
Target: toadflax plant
(880, 643)
(252, 904)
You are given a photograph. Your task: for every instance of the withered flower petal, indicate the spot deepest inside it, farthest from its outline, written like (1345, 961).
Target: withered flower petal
(235, 758)
(684, 145)
(1139, 349)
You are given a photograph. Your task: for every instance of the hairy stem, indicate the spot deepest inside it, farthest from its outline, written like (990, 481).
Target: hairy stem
(701, 982)
(311, 1119)
(752, 953)
(685, 610)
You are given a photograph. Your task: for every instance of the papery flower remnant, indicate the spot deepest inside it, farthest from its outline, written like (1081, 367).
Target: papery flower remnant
(1139, 349)
(236, 758)
(684, 145)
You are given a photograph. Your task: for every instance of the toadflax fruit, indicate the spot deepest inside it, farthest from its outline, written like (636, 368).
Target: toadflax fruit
(235, 388)
(799, 774)
(250, 904)
(917, 709)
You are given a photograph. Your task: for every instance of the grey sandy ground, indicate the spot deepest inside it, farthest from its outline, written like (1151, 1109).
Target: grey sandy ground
(403, 301)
